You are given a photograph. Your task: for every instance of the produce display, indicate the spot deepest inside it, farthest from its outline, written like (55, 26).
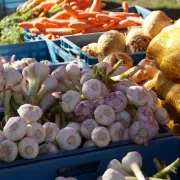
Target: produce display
(69, 108)
(130, 169)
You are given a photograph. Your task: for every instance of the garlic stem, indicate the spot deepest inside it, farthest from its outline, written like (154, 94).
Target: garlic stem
(167, 170)
(17, 99)
(137, 171)
(126, 74)
(58, 120)
(119, 63)
(63, 120)
(6, 103)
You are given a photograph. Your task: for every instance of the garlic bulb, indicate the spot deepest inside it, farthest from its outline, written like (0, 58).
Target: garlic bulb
(36, 131)
(28, 148)
(101, 136)
(137, 95)
(68, 139)
(116, 131)
(141, 132)
(87, 127)
(29, 112)
(51, 131)
(15, 129)
(112, 174)
(152, 100)
(76, 126)
(162, 116)
(2, 136)
(8, 151)
(88, 143)
(48, 148)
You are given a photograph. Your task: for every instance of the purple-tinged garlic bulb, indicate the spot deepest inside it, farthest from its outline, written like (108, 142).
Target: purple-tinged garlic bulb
(68, 139)
(84, 110)
(144, 113)
(84, 71)
(137, 95)
(123, 85)
(125, 118)
(101, 136)
(104, 115)
(162, 116)
(117, 100)
(91, 89)
(152, 100)
(112, 174)
(29, 112)
(116, 131)
(70, 100)
(141, 132)
(87, 127)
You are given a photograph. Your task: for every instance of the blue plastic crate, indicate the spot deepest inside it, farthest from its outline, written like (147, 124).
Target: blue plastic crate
(40, 50)
(89, 163)
(73, 45)
(9, 7)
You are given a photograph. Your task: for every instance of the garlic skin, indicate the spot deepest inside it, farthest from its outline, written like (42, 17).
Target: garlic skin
(124, 117)
(101, 136)
(29, 112)
(68, 139)
(70, 100)
(116, 131)
(120, 70)
(15, 129)
(8, 151)
(51, 131)
(99, 101)
(48, 148)
(86, 77)
(2, 136)
(141, 132)
(91, 89)
(104, 90)
(122, 85)
(28, 148)
(112, 174)
(125, 135)
(99, 178)
(116, 165)
(104, 115)
(88, 143)
(104, 64)
(84, 110)
(162, 116)
(137, 95)
(61, 178)
(76, 126)
(87, 127)
(152, 100)
(84, 71)
(117, 100)
(144, 113)
(36, 131)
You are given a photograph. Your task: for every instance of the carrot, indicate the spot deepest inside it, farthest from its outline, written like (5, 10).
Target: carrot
(75, 7)
(96, 6)
(42, 14)
(59, 22)
(27, 25)
(84, 4)
(123, 14)
(60, 31)
(70, 11)
(105, 27)
(105, 17)
(87, 15)
(137, 20)
(103, 5)
(39, 25)
(125, 6)
(50, 25)
(61, 15)
(47, 4)
(80, 25)
(48, 36)
(73, 3)
(35, 31)
(124, 24)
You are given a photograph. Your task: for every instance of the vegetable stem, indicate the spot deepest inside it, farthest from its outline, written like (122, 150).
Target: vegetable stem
(119, 63)
(58, 120)
(168, 169)
(137, 171)
(17, 99)
(6, 102)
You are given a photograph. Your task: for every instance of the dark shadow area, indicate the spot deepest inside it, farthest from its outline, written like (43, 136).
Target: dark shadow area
(173, 13)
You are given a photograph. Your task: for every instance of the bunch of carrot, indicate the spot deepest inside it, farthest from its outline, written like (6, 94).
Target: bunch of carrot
(82, 16)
